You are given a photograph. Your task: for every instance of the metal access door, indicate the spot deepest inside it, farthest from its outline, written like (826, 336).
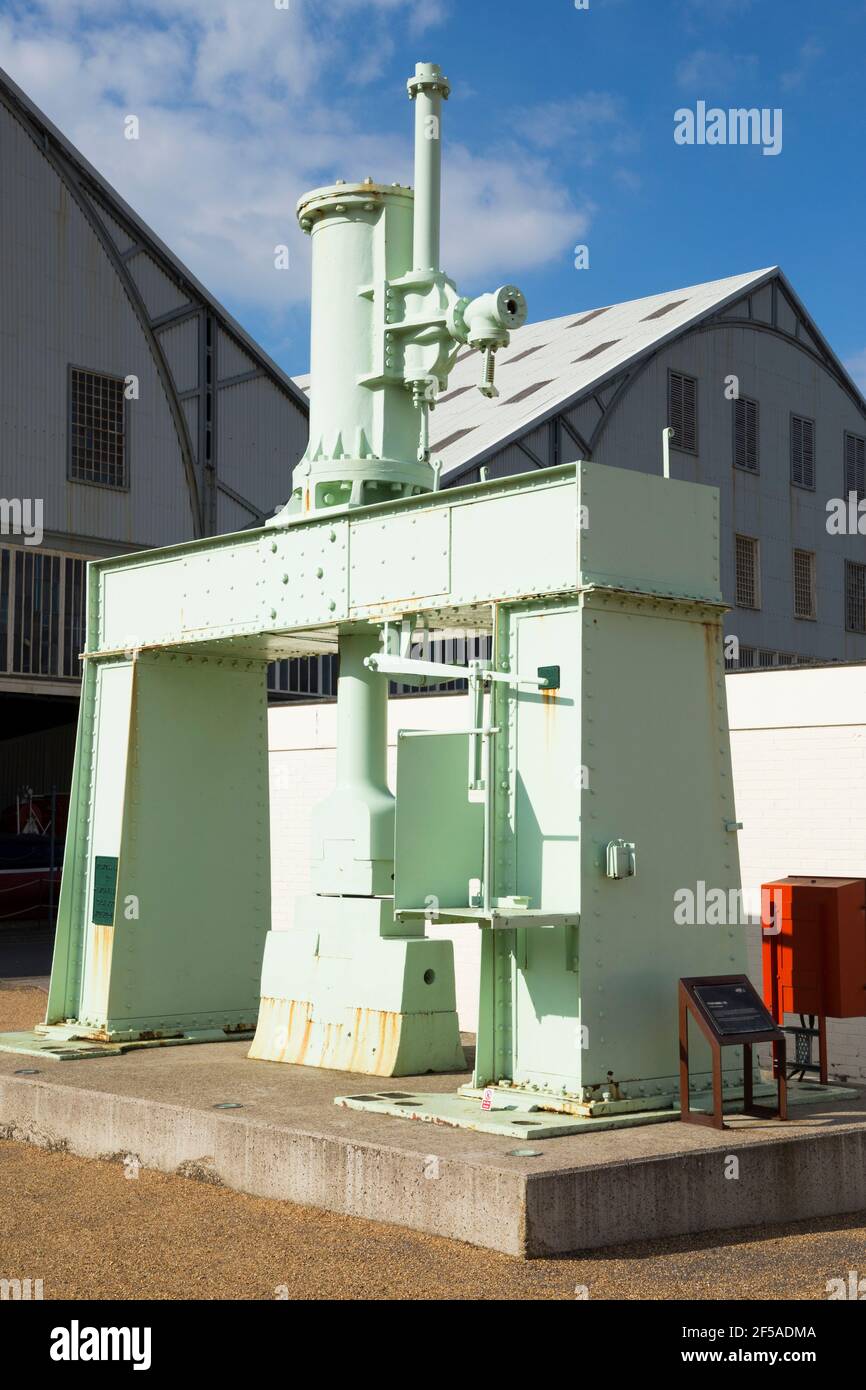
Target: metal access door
(547, 803)
(440, 832)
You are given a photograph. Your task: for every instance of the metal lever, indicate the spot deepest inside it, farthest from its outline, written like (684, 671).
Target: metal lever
(390, 665)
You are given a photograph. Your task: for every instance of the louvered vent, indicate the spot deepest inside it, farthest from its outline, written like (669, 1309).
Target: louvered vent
(746, 434)
(683, 411)
(804, 584)
(748, 588)
(802, 451)
(855, 465)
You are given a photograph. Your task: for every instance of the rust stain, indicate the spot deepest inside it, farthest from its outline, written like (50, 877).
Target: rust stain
(548, 704)
(99, 965)
(369, 1044)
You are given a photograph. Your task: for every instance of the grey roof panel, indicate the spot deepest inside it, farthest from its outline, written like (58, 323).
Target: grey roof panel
(556, 373)
(472, 428)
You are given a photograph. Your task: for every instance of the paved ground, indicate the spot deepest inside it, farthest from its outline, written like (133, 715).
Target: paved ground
(89, 1231)
(25, 949)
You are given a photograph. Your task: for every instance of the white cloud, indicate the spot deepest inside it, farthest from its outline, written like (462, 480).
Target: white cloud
(244, 107)
(713, 69)
(589, 124)
(808, 55)
(507, 214)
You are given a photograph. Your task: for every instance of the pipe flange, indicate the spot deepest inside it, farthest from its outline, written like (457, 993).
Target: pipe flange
(455, 321)
(428, 78)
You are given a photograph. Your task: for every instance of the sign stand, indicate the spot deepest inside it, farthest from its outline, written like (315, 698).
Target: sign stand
(730, 1013)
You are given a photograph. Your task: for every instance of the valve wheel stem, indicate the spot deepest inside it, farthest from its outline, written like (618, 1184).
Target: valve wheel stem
(487, 387)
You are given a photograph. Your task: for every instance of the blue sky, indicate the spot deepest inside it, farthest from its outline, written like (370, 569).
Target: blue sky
(560, 131)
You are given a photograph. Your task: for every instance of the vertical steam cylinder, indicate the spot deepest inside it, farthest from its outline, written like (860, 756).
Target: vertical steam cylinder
(364, 428)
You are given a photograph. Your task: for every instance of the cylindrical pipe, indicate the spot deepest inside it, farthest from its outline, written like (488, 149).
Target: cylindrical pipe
(362, 718)
(427, 89)
(667, 436)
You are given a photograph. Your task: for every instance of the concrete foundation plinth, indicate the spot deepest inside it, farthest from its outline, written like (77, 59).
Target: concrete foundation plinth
(288, 1140)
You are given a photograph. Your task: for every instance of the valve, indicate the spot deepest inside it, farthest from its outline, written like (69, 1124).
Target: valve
(486, 323)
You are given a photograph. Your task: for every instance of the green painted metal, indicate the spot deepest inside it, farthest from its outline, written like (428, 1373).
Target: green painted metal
(577, 989)
(601, 722)
(387, 325)
(521, 1116)
(161, 945)
(164, 906)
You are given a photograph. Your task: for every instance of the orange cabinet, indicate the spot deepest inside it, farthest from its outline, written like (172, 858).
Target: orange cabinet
(814, 947)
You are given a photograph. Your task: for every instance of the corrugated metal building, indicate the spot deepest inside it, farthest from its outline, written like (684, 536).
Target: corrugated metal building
(134, 411)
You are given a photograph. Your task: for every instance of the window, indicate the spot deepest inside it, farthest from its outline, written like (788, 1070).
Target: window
(42, 613)
(746, 434)
(802, 451)
(855, 596)
(804, 584)
(683, 411)
(97, 440)
(855, 465)
(748, 573)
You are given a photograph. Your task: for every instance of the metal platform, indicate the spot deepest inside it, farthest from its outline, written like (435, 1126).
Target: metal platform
(72, 1049)
(518, 1121)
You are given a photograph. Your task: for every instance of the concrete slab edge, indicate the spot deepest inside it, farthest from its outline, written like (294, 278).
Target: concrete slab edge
(480, 1205)
(518, 1213)
(689, 1193)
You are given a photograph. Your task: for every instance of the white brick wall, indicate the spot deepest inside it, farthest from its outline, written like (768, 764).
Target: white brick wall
(798, 742)
(302, 749)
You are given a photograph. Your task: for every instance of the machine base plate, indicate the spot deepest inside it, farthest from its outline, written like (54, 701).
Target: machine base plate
(516, 1122)
(33, 1044)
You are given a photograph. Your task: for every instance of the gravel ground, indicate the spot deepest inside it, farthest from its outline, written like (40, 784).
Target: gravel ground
(89, 1231)
(20, 1008)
